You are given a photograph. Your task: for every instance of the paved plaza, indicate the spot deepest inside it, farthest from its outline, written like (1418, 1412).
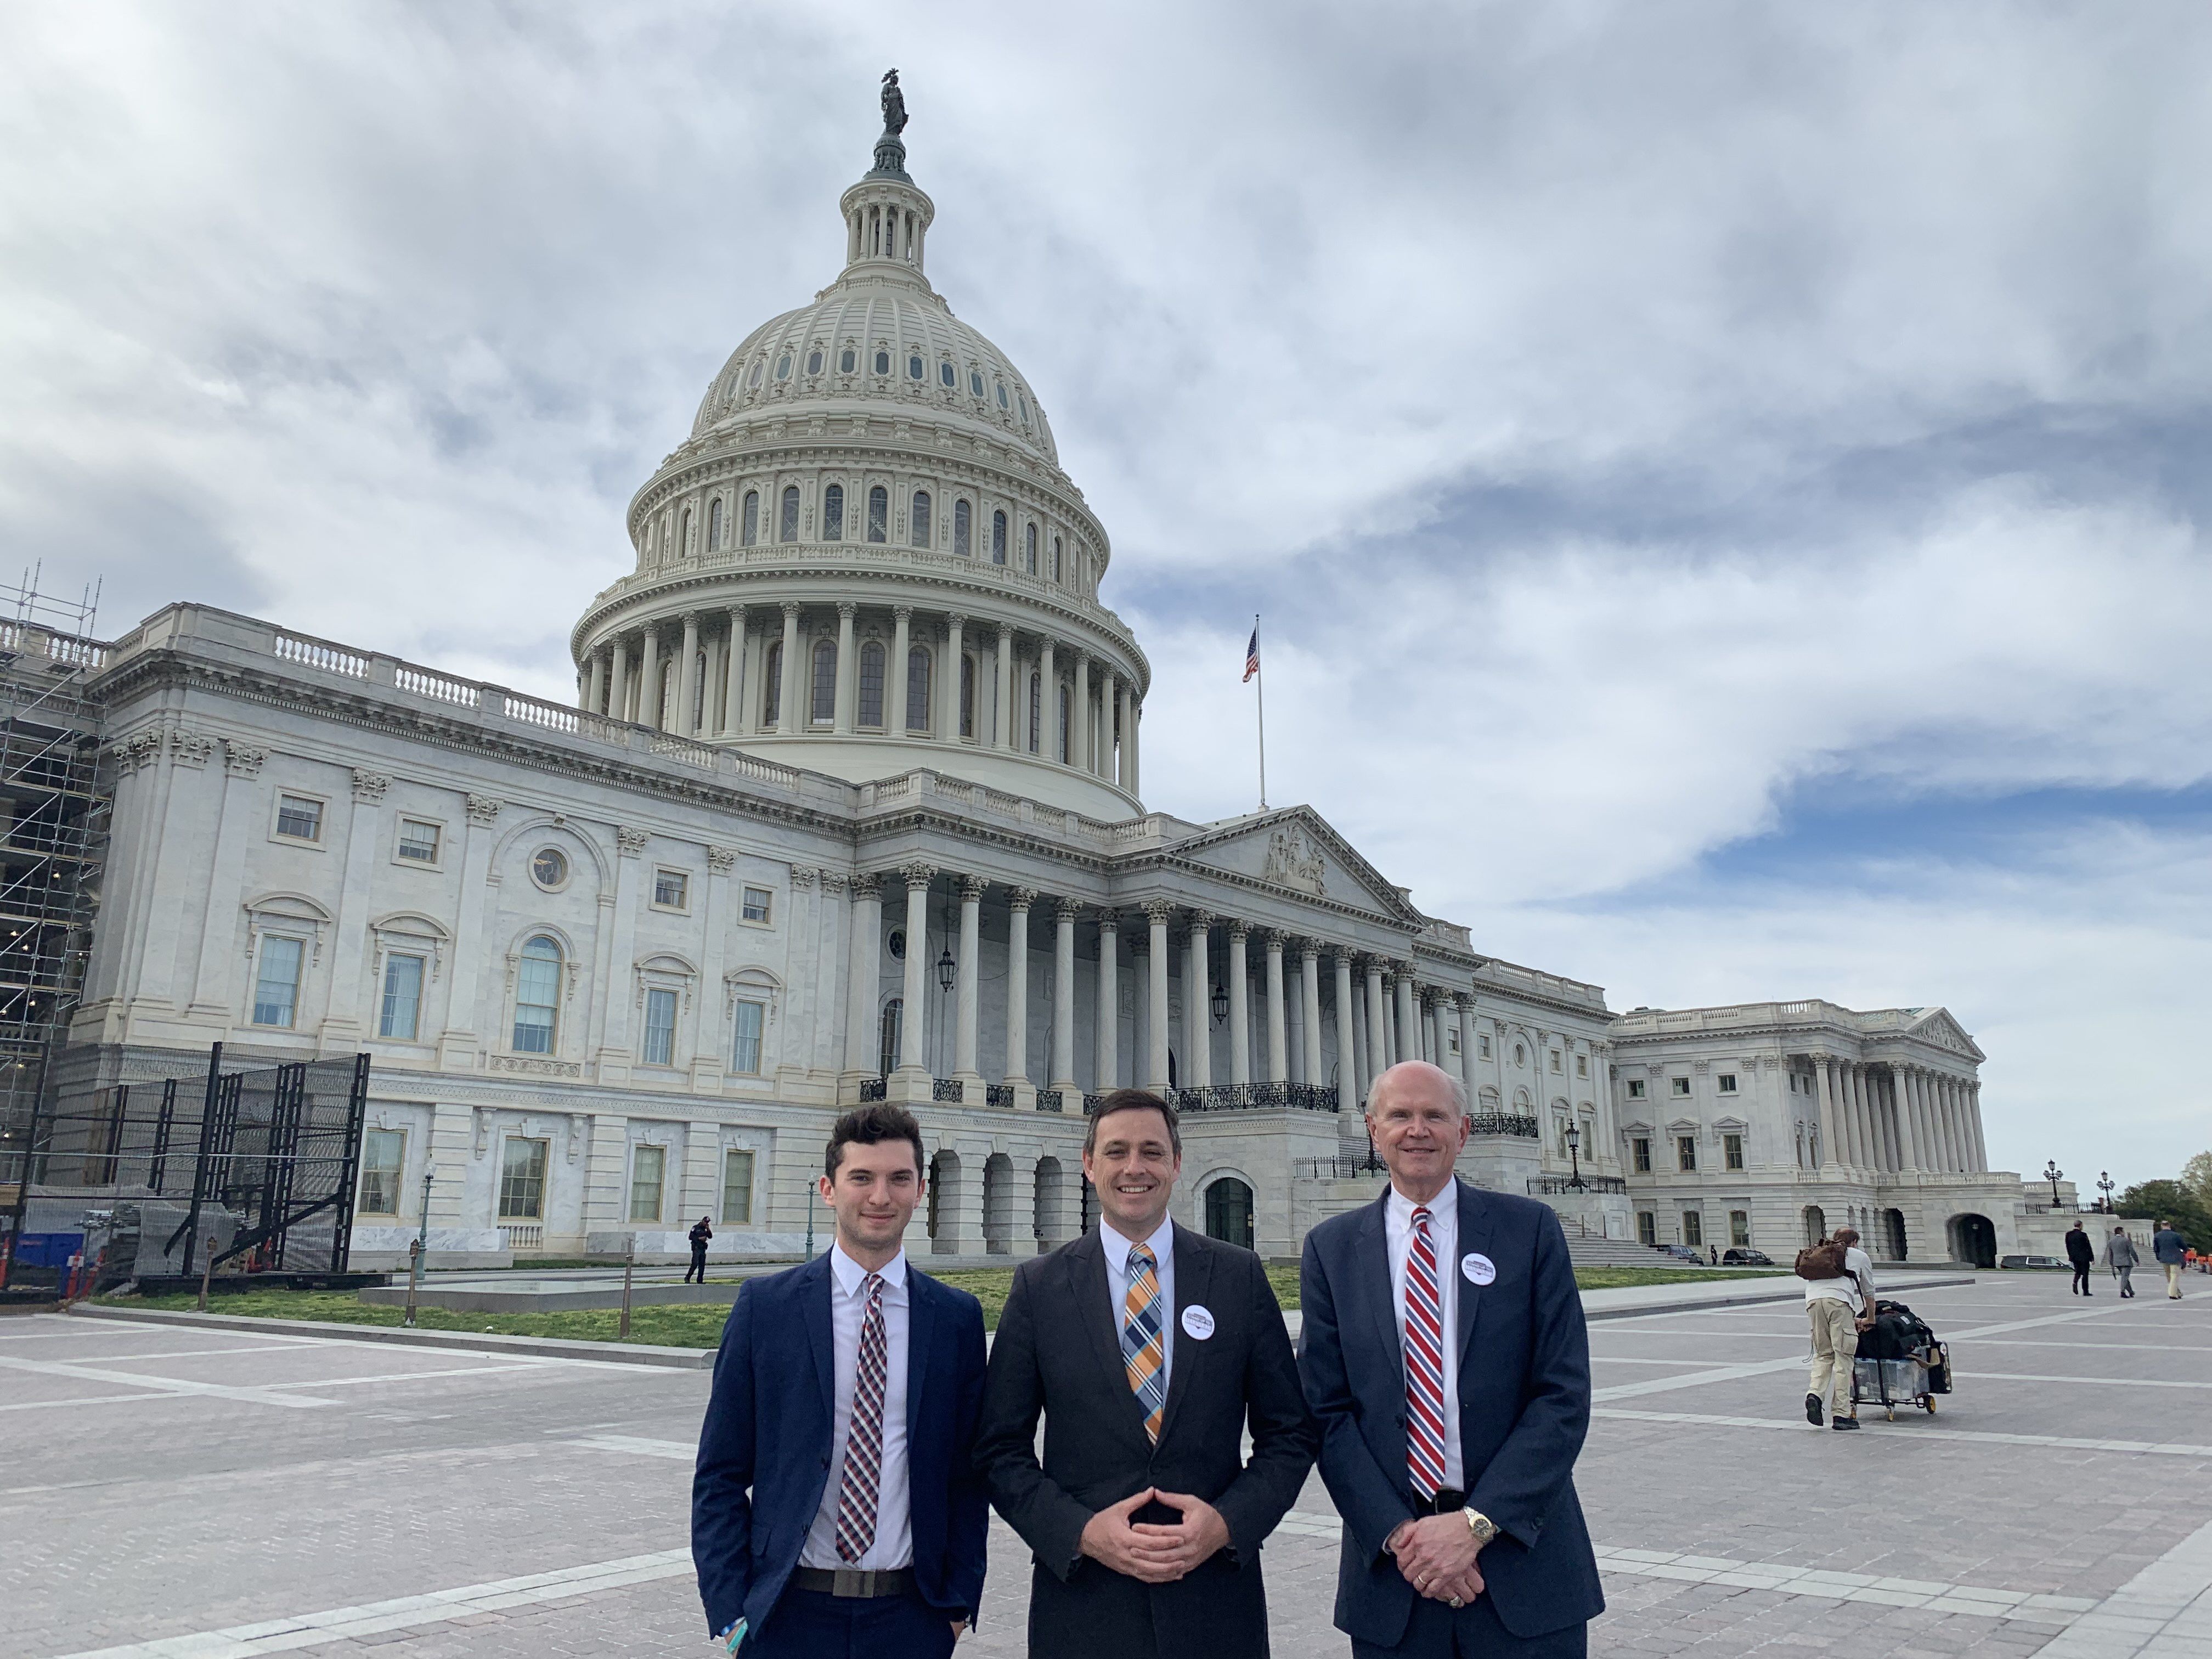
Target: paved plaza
(171, 1491)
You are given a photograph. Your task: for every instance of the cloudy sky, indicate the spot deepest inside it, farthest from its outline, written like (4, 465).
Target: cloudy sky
(1727, 484)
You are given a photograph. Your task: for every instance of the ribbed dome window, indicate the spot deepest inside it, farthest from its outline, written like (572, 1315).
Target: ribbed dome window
(882, 362)
(754, 378)
(914, 370)
(998, 537)
(975, 381)
(879, 513)
(948, 375)
(871, 683)
(1002, 394)
(920, 518)
(814, 363)
(844, 360)
(962, 516)
(788, 530)
(783, 371)
(748, 521)
(833, 514)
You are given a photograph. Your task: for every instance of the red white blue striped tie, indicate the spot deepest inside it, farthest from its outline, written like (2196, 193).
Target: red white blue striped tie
(1425, 1363)
(864, 1441)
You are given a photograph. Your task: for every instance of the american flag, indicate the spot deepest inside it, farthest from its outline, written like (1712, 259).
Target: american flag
(1252, 656)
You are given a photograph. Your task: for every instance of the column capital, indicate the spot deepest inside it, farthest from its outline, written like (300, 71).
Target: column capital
(691, 618)
(833, 883)
(846, 610)
(483, 809)
(1309, 949)
(1239, 929)
(1273, 938)
(956, 619)
(917, 874)
(1200, 921)
(972, 887)
(803, 875)
(1006, 635)
(791, 609)
(1021, 898)
(1466, 1001)
(1110, 920)
(903, 613)
(1157, 911)
(720, 860)
(1066, 912)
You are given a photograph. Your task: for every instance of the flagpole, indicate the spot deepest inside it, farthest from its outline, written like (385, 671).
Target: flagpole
(1259, 675)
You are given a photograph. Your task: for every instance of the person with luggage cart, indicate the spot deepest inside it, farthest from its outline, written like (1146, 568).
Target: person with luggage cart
(1839, 1301)
(2123, 1258)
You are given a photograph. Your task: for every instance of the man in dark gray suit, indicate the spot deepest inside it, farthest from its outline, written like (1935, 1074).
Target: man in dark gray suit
(1147, 1348)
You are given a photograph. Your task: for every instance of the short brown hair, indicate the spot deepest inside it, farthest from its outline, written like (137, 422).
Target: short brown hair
(869, 1125)
(1133, 1100)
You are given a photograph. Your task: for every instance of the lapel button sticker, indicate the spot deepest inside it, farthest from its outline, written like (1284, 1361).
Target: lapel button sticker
(1479, 1268)
(1197, 1321)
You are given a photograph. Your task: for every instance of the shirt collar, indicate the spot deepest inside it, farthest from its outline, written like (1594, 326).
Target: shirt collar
(1161, 1243)
(1445, 1203)
(851, 1275)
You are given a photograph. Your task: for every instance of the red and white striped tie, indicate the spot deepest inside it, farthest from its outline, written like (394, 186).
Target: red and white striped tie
(1425, 1363)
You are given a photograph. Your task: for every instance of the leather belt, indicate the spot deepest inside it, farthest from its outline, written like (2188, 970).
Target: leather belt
(1448, 1501)
(852, 1584)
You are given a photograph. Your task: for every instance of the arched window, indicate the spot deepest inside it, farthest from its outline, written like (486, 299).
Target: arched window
(788, 530)
(833, 514)
(998, 536)
(917, 688)
(879, 510)
(824, 706)
(684, 542)
(871, 683)
(967, 695)
(1036, 708)
(714, 524)
(772, 684)
(748, 521)
(1029, 538)
(537, 996)
(962, 516)
(921, 537)
(887, 1050)
(1056, 575)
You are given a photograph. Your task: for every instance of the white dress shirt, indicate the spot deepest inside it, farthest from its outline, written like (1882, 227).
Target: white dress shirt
(848, 1305)
(1161, 1245)
(1444, 1238)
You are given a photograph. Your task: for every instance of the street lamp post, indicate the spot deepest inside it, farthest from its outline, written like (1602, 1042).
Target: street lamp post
(2105, 1184)
(1574, 1182)
(420, 1247)
(2052, 1172)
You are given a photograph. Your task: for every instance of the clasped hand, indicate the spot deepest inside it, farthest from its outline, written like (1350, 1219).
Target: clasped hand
(1436, 1554)
(1151, 1553)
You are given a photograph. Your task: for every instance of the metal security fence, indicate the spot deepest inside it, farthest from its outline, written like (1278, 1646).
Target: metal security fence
(254, 1169)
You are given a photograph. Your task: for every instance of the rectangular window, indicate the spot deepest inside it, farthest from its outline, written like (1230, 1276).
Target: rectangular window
(1555, 1062)
(1640, 1150)
(646, 1164)
(276, 987)
(1483, 1047)
(823, 709)
(917, 688)
(1693, 1227)
(737, 1187)
(1732, 1151)
(757, 900)
(1728, 1083)
(745, 1051)
(403, 998)
(659, 1028)
(1740, 1228)
(1451, 1040)
(418, 842)
(300, 817)
(536, 1001)
(1680, 1086)
(1685, 1153)
(1647, 1227)
(383, 1155)
(963, 518)
(1636, 1088)
(522, 1179)
(672, 889)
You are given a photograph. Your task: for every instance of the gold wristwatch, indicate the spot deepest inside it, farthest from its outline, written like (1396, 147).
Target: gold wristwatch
(1481, 1526)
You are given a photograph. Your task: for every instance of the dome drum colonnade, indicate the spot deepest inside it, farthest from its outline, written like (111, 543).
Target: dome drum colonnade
(868, 540)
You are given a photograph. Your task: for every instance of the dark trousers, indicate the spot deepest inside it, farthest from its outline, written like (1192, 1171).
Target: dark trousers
(698, 1264)
(2082, 1277)
(1437, 1630)
(811, 1624)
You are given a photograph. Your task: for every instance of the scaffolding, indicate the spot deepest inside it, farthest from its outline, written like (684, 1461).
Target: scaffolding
(53, 830)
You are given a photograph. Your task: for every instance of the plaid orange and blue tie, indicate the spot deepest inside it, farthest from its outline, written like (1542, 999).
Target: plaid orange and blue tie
(1143, 1350)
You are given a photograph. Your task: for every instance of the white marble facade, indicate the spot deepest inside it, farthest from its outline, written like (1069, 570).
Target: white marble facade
(849, 804)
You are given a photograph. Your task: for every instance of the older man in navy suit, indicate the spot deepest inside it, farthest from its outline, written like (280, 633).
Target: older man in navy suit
(1443, 1351)
(836, 1510)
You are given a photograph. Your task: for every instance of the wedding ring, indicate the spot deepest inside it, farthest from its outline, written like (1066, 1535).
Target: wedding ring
(1455, 1600)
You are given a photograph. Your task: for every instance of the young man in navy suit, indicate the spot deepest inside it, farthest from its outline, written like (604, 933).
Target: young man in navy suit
(1444, 1352)
(834, 1510)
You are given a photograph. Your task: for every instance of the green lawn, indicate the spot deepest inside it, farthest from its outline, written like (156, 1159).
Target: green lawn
(695, 1325)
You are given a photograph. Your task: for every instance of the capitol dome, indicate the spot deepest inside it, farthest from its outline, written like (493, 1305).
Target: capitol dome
(866, 559)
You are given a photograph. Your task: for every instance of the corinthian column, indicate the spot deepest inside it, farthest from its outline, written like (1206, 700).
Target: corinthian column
(1017, 983)
(1278, 1058)
(1309, 988)
(687, 678)
(1828, 1115)
(965, 977)
(1063, 997)
(1467, 1046)
(1003, 733)
(866, 971)
(913, 1024)
(1240, 1006)
(648, 690)
(733, 680)
(1079, 721)
(1156, 912)
(1409, 1037)
(1197, 1038)
(842, 699)
(791, 719)
(894, 673)
(1347, 1052)
(1378, 1042)
(1110, 1002)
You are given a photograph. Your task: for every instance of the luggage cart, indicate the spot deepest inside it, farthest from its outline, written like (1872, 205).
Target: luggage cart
(1913, 1380)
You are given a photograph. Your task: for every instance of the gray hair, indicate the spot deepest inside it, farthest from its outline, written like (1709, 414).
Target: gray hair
(1458, 1089)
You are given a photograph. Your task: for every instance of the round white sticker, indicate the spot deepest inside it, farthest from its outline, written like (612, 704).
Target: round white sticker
(1197, 1321)
(1479, 1268)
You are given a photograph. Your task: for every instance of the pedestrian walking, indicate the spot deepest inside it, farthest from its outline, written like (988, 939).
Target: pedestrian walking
(700, 1236)
(2166, 1244)
(2121, 1256)
(1838, 1297)
(1714, 1252)
(2083, 1255)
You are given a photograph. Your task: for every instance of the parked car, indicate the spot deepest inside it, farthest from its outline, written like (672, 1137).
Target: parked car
(2031, 1261)
(1682, 1253)
(1743, 1258)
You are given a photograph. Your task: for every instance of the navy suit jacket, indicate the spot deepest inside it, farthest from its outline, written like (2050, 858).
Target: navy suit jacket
(1524, 1404)
(764, 1448)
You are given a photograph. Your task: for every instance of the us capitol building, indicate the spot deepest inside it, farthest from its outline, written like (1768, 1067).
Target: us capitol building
(850, 807)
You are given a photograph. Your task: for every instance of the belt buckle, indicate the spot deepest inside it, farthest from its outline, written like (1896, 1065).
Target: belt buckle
(851, 1583)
